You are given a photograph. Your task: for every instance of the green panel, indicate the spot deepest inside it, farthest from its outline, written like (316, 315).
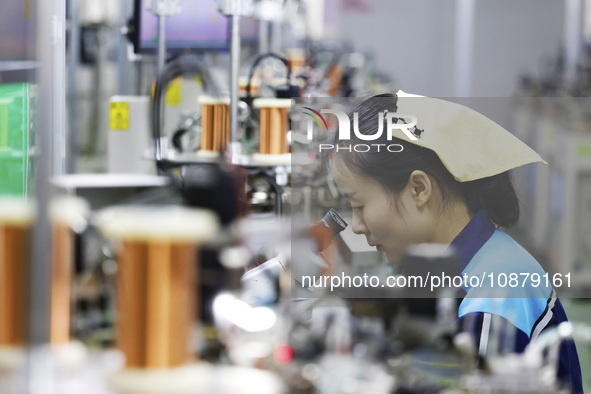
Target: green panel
(15, 122)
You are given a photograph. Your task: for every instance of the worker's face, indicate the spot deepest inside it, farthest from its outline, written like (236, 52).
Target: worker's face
(389, 222)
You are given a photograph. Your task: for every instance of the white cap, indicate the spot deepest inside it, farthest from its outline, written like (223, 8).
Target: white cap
(157, 223)
(272, 103)
(16, 211)
(209, 100)
(69, 211)
(470, 145)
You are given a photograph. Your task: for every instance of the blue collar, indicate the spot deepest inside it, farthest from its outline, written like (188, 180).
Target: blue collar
(472, 238)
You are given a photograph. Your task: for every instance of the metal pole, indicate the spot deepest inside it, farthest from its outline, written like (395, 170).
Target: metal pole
(161, 43)
(97, 104)
(573, 34)
(59, 87)
(72, 95)
(39, 273)
(586, 22)
(275, 44)
(464, 47)
(264, 36)
(124, 62)
(235, 62)
(39, 374)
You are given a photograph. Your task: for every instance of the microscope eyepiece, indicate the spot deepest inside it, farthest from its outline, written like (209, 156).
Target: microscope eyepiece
(334, 221)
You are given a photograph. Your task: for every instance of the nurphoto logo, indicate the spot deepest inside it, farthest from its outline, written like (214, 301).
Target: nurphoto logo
(405, 123)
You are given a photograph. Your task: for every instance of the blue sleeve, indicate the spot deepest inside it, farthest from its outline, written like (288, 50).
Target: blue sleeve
(570, 369)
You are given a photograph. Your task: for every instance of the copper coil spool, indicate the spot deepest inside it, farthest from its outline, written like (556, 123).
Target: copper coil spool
(156, 281)
(215, 123)
(335, 79)
(16, 219)
(255, 86)
(297, 59)
(274, 125)
(66, 215)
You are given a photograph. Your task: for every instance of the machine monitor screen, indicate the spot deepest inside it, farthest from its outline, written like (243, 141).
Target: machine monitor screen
(199, 26)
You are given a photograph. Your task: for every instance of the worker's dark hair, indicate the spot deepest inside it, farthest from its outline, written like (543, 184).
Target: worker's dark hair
(495, 194)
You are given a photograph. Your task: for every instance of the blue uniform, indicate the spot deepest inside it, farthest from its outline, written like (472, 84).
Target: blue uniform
(523, 311)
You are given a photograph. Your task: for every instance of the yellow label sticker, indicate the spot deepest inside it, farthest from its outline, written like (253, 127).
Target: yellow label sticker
(119, 116)
(174, 93)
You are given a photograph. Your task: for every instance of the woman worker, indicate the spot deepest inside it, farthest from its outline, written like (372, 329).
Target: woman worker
(448, 183)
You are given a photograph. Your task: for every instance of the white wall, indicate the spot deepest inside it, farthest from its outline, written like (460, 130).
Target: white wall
(414, 41)
(513, 37)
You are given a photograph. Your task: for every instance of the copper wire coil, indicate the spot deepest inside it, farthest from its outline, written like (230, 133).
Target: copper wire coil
(296, 59)
(156, 281)
(14, 283)
(66, 214)
(215, 123)
(156, 303)
(255, 85)
(273, 126)
(62, 261)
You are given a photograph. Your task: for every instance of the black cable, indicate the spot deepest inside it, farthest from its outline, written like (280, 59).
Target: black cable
(177, 137)
(255, 64)
(183, 65)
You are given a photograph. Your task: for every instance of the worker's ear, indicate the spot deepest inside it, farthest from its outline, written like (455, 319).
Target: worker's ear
(420, 187)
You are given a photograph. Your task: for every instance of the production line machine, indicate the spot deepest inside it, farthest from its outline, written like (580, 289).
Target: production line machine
(179, 320)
